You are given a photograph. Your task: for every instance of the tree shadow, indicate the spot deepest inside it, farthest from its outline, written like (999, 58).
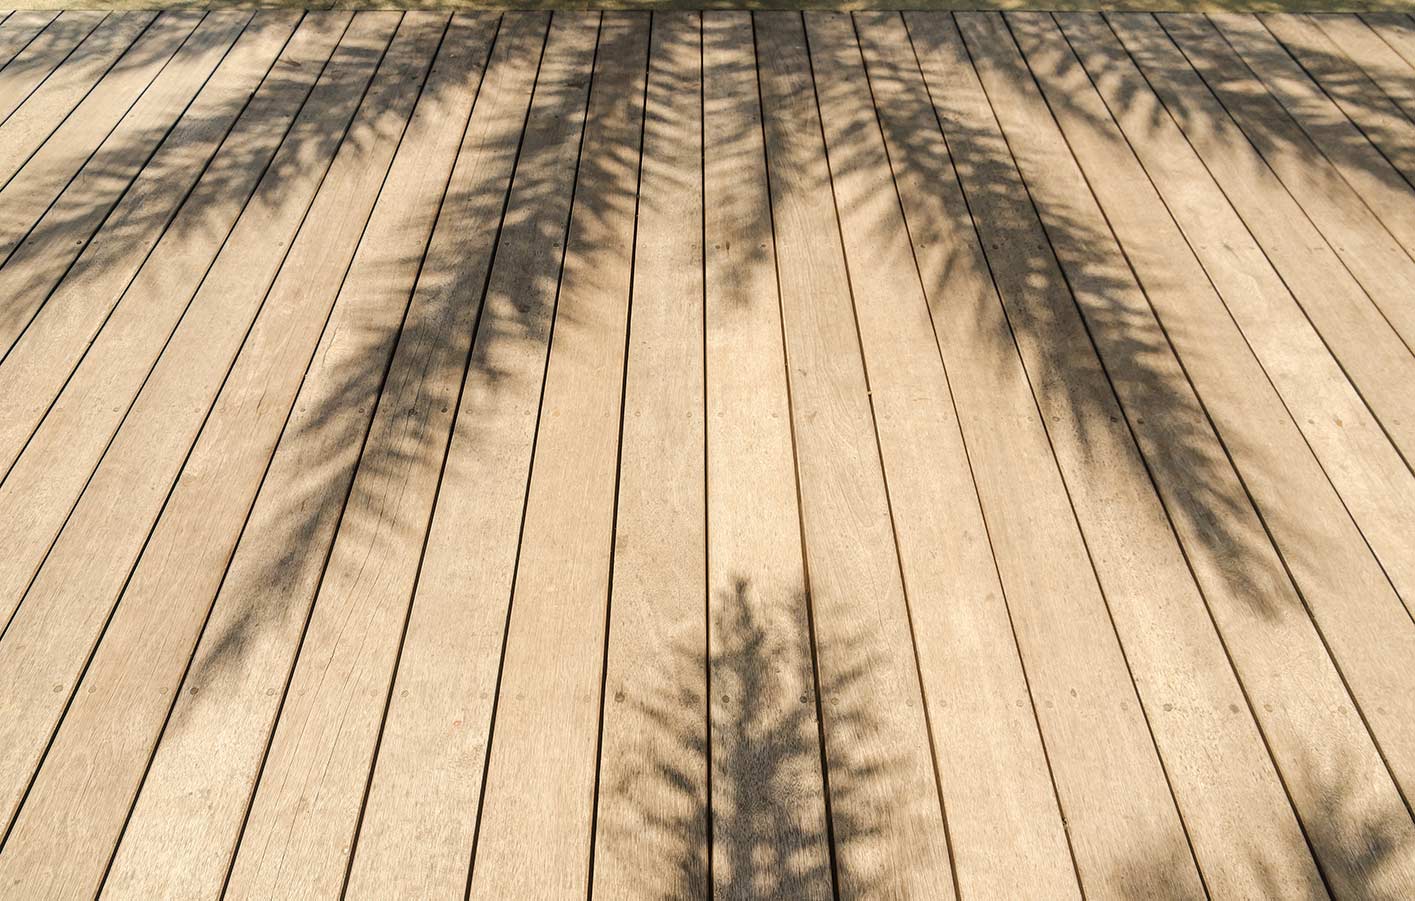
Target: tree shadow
(738, 123)
(1264, 124)
(1076, 356)
(1246, 565)
(1382, 866)
(1165, 416)
(205, 153)
(484, 311)
(1268, 88)
(762, 744)
(106, 243)
(303, 511)
(436, 279)
(34, 46)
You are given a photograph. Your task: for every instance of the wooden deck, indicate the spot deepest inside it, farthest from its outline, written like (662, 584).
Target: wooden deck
(738, 454)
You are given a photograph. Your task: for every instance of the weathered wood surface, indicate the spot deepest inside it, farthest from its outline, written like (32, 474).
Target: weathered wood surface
(726, 454)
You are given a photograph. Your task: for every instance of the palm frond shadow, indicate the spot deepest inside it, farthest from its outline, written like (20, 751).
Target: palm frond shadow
(764, 748)
(210, 173)
(758, 748)
(984, 167)
(508, 326)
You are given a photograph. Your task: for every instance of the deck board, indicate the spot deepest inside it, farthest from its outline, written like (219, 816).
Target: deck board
(1370, 111)
(1152, 597)
(459, 608)
(968, 651)
(1206, 176)
(1395, 37)
(111, 130)
(1207, 72)
(877, 744)
(651, 833)
(677, 454)
(167, 353)
(303, 822)
(207, 509)
(33, 45)
(133, 485)
(767, 793)
(1256, 581)
(1078, 694)
(125, 46)
(155, 248)
(542, 768)
(132, 167)
(1376, 55)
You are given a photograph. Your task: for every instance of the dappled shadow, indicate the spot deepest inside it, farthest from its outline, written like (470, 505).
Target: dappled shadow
(230, 156)
(33, 46)
(276, 570)
(1248, 69)
(1337, 238)
(766, 831)
(223, 142)
(454, 336)
(736, 140)
(1268, 90)
(1379, 870)
(174, 180)
(977, 177)
(235, 171)
(765, 748)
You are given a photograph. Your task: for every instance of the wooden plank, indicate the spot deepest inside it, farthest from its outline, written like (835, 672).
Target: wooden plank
(1205, 83)
(1004, 822)
(1296, 693)
(768, 823)
(1326, 129)
(1392, 73)
(180, 294)
(415, 817)
(1255, 794)
(651, 822)
(69, 186)
(1377, 486)
(49, 106)
(336, 223)
(1227, 545)
(119, 123)
(1103, 472)
(1206, 165)
(393, 856)
(78, 803)
(1189, 693)
(1379, 492)
(67, 603)
(188, 816)
(145, 236)
(1056, 605)
(306, 808)
(19, 31)
(1397, 33)
(37, 45)
(533, 830)
(1360, 99)
(885, 807)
